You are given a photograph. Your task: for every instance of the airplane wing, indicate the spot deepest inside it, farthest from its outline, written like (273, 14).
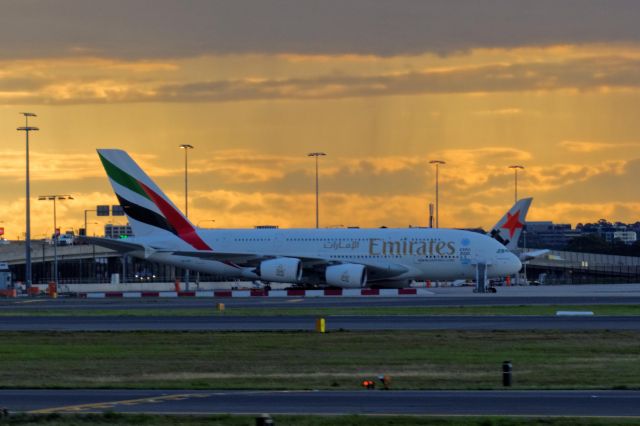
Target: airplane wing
(121, 246)
(530, 255)
(248, 258)
(253, 259)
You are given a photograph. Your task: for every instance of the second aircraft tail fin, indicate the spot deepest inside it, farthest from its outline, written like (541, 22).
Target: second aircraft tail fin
(510, 226)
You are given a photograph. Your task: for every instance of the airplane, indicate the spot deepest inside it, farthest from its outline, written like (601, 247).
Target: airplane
(345, 258)
(509, 228)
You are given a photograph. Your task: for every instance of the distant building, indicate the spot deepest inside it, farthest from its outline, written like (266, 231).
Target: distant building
(627, 237)
(117, 231)
(546, 234)
(611, 232)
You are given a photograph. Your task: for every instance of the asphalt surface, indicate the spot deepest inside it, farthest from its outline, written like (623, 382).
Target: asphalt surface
(9, 305)
(520, 403)
(604, 294)
(346, 322)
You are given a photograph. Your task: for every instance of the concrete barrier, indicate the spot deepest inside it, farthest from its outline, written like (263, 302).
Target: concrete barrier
(366, 292)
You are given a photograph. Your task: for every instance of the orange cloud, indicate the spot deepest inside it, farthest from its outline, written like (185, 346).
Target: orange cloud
(590, 147)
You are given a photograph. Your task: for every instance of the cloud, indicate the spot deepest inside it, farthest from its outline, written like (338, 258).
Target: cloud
(475, 189)
(585, 147)
(49, 166)
(503, 112)
(168, 28)
(69, 214)
(46, 166)
(577, 212)
(149, 84)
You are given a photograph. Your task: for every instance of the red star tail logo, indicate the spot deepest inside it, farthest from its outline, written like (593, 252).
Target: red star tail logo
(512, 223)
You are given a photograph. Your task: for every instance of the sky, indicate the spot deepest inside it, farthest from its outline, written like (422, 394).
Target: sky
(382, 87)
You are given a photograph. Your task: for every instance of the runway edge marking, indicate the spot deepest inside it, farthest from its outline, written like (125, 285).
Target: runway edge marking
(402, 292)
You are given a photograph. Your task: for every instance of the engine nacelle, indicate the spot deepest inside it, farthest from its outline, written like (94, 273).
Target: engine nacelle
(282, 269)
(346, 276)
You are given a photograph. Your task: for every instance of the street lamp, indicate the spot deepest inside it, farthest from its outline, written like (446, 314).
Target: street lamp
(316, 154)
(437, 163)
(186, 148)
(86, 234)
(515, 168)
(27, 247)
(524, 249)
(54, 198)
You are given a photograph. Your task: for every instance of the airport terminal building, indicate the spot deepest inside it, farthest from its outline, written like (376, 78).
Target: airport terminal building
(86, 263)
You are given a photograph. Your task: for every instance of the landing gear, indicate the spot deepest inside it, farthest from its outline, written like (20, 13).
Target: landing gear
(481, 278)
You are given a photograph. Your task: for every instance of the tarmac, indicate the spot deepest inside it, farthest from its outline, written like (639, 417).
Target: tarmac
(307, 323)
(429, 403)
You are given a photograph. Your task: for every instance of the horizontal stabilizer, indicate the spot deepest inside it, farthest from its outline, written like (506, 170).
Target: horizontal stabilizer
(530, 255)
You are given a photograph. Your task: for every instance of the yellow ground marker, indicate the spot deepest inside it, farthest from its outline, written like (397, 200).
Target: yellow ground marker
(111, 404)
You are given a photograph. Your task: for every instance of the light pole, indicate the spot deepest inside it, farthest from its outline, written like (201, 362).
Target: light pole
(86, 234)
(437, 163)
(54, 198)
(317, 154)
(524, 248)
(186, 148)
(27, 247)
(515, 168)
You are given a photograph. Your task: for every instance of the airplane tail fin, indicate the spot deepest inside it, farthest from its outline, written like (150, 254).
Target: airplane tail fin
(151, 213)
(509, 228)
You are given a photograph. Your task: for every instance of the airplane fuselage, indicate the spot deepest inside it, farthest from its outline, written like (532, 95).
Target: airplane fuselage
(406, 254)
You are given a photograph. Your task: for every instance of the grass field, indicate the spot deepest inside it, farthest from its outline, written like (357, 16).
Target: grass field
(112, 419)
(305, 360)
(373, 310)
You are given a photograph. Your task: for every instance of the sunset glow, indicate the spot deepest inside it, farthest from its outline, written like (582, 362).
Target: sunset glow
(565, 110)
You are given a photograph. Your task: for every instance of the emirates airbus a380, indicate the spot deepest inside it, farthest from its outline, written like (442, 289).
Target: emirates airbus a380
(346, 258)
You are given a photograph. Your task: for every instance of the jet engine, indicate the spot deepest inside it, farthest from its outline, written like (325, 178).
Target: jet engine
(348, 275)
(282, 269)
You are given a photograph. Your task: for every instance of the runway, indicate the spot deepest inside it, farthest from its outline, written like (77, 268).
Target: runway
(307, 323)
(605, 294)
(505, 403)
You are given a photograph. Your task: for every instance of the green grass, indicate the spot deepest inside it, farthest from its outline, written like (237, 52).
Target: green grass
(373, 310)
(305, 360)
(282, 420)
